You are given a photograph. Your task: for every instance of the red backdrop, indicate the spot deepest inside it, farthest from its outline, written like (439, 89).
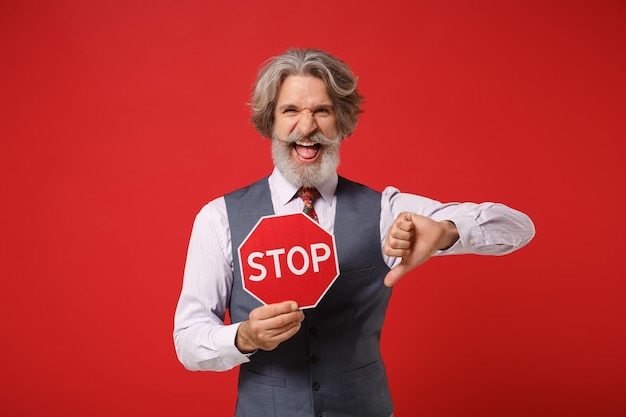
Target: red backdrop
(120, 119)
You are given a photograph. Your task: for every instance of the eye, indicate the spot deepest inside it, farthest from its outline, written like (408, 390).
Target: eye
(322, 111)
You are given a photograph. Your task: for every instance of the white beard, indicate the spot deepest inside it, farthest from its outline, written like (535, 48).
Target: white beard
(310, 175)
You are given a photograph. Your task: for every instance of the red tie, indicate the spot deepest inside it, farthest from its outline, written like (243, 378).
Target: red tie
(308, 195)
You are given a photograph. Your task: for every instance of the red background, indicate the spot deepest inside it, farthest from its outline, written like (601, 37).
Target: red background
(120, 119)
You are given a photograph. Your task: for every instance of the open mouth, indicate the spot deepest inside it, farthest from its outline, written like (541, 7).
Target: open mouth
(307, 150)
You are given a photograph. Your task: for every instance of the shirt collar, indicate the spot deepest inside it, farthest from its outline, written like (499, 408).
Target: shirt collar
(286, 191)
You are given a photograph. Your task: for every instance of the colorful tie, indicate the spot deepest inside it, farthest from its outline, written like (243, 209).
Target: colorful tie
(308, 195)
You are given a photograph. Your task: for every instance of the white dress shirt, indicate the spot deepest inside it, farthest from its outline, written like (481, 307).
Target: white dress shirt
(204, 342)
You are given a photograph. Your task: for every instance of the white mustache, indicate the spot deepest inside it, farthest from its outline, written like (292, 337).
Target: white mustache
(316, 137)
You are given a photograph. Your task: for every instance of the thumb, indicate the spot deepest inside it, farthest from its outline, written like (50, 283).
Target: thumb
(397, 272)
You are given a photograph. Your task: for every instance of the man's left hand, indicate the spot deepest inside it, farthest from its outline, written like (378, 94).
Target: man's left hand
(415, 238)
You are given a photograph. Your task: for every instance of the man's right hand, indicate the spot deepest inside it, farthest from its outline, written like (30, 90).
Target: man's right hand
(268, 326)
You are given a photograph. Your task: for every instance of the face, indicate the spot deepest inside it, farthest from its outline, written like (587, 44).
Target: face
(305, 143)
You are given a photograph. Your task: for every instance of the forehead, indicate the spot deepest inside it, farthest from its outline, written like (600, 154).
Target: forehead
(303, 90)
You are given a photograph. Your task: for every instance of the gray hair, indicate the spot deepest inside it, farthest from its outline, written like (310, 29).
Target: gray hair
(341, 86)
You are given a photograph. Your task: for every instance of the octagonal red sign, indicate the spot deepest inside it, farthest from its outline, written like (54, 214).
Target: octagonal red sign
(288, 257)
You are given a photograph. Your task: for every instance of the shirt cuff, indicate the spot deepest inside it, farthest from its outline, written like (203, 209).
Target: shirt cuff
(470, 236)
(223, 340)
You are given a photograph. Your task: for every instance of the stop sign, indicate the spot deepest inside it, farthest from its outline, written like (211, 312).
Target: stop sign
(288, 257)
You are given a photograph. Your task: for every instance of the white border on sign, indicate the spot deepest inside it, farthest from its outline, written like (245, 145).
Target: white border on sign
(332, 237)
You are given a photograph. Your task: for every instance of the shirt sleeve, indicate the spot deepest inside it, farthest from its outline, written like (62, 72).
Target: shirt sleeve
(484, 228)
(202, 340)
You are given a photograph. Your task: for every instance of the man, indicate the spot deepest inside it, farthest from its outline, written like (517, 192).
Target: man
(323, 361)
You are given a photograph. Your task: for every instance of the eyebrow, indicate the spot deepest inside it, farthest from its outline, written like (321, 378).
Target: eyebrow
(293, 106)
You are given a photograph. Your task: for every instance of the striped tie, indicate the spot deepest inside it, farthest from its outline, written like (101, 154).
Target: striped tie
(308, 195)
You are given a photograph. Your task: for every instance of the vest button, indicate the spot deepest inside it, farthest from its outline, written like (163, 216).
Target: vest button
(315, 359)
(316, 386)
(312, 330)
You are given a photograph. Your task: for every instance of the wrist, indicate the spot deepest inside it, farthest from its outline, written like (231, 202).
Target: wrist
(242, 342)
(450, 235)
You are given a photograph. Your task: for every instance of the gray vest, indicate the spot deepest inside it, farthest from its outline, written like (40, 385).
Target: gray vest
(332, 367)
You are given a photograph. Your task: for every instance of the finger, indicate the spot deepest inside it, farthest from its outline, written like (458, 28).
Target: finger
(287, 331)
(404, 222)
(268, 338)
(397, 233)
(395, 243)
(394, 252)
(394, 275)
(272, 326)
(273, 310)
(284, 321)
(271, 342)
(250, 339)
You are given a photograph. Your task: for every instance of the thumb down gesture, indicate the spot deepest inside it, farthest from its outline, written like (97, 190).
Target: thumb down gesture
(415, 238)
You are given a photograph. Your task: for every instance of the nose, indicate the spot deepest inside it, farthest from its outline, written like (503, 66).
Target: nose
(307, 124)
